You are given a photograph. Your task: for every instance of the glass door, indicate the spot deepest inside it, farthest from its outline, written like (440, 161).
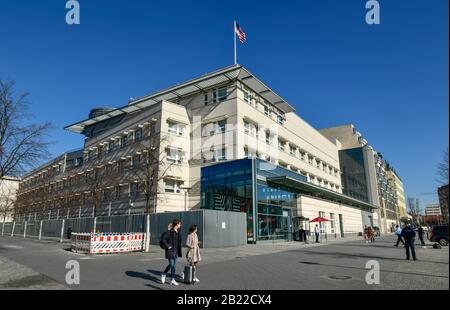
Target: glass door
(287, 225)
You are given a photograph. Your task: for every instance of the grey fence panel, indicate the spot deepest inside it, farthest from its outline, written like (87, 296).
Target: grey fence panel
(78, 225)
(215, 228)
(33, 228)
(121, 224)
(51, 228)
(19, 228)
(8, 229)
(225, 229)
(160, 222)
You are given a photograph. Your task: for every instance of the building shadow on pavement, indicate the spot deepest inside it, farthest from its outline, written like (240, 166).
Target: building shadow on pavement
(146, 276)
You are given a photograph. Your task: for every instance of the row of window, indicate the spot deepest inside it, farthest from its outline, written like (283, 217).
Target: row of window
(255, 101)
(312, 178)
(252, 130)
(118, 143)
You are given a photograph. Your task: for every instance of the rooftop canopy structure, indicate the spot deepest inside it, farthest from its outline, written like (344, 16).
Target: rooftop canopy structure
(232, 74)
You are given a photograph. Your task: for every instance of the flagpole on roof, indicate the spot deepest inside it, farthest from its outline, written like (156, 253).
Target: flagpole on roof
(235, 50)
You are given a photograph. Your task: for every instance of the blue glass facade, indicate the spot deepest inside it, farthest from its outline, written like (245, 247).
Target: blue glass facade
(241, 186)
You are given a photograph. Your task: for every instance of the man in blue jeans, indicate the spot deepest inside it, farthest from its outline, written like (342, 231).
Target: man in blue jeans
(409, 234)
(172, 243)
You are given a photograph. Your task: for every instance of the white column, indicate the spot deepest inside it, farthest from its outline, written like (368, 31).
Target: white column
(62, 231)
(3, 228)
(14, 226)
(25, 229)
(40, 230)
(147, 235)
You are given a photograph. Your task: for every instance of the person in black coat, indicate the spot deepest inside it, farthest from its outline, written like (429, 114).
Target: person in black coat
(172, 244)
(408, 235)
(421, 234)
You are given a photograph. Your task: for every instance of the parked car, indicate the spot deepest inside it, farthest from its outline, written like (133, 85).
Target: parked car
(439, 234)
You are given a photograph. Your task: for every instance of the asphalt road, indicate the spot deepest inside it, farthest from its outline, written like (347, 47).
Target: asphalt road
(340, 265)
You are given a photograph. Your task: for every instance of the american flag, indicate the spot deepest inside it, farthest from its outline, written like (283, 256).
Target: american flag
(241, 34)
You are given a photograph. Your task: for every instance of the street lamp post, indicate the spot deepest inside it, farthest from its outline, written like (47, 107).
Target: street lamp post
(186, 190)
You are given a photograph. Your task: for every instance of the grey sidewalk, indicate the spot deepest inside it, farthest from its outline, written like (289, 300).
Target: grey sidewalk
(14, 276)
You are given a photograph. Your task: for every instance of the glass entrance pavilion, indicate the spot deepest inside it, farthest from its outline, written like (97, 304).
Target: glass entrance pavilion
(266, 192)
(241, 186)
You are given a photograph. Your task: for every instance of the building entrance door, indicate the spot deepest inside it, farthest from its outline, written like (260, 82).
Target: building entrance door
(341, 225)
(286, 224)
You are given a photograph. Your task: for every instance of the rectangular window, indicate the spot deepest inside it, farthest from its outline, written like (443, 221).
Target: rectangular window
(138, 135)
(250, 128)
(292, 150)
(118, 192)
(267, 111)
(222, 94)
(127, 139)
(117, 144)
(136, 160)
(247, 95)
(220, 155)
(221, 126)
(280, 119)
(110, 147)
(134, 189)
(281, 145)
(206, 99)
(332, 222)
(174, 156)
(172, 186)
(176, 129)
(268, 137)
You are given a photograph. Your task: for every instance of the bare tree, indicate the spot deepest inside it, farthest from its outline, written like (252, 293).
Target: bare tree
(442, 169)
(153, 167)
(413, 205)
(22, 145)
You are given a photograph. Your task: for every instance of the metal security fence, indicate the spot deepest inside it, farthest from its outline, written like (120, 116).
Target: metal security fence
(79, 225)
(121, 224)
(33, 228)
(7, 228)
(215, 228)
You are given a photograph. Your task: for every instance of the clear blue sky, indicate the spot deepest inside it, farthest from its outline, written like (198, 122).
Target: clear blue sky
(390, 81)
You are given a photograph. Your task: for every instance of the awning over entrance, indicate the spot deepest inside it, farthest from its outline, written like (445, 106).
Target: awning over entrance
(309, 189)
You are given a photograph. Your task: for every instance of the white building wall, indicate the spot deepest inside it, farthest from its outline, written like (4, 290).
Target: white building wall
(351, 217)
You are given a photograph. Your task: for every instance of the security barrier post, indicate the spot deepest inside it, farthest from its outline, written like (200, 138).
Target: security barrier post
(147, 235)
(25, 230)
(95, 225)
(62, 231)
(14, 226)
(3, 228)
(40, 230)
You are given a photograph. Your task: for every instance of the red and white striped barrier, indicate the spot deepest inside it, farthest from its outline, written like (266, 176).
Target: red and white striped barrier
(137, 242)
(108, 243)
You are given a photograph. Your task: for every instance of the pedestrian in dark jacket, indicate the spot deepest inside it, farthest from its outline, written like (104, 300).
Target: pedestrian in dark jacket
(172, 244)
(421, 233)
(408, 235)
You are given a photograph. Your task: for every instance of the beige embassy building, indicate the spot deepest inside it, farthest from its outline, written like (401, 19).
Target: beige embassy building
(221, 117)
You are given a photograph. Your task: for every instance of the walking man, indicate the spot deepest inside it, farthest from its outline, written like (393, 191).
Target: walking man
(317, 232)
(409, 234)
(398, 233)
